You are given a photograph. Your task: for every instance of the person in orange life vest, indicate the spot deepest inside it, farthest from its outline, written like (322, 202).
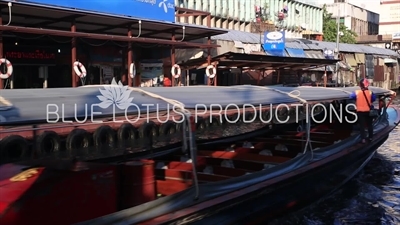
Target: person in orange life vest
(364, 99)
(167, 82)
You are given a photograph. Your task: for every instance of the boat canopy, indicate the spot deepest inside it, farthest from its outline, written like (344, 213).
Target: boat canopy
(19, 105)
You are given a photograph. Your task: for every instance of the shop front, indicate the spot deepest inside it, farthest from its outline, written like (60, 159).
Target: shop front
(31, 66)
(127, 37)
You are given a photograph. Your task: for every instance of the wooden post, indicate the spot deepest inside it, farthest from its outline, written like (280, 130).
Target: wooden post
(209, 60)
(1, 48)
(259, 76)
(279, 75)
(129, 61)
(173, 59)
(325, 77)
(73, 55)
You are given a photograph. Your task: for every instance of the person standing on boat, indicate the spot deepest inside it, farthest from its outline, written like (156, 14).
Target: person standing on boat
(364, 99)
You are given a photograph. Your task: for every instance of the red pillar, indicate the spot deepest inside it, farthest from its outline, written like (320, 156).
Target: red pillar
(173, 59)
(209, 60)
(129, 61)
(73, 55)
(1, 49)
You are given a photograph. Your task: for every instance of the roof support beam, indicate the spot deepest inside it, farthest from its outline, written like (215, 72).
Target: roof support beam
(167, 31)
(102, 37)
(66, 18)
(122, 25)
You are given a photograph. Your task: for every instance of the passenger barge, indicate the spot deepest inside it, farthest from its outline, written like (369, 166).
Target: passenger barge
(199, 180)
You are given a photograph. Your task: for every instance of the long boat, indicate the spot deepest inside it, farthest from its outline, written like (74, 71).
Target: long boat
(246, 178)
(102, 121)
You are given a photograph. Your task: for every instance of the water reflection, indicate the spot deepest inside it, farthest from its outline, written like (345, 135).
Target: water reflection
(373, 197)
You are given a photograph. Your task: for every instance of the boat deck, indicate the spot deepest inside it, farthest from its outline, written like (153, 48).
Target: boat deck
(174, 174)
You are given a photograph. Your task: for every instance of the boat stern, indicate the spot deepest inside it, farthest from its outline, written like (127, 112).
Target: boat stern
(56, 194)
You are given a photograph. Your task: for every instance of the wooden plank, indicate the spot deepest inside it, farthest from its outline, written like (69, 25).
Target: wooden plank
(171, 174)
(169, 187)
(218, 170)
(296, 142)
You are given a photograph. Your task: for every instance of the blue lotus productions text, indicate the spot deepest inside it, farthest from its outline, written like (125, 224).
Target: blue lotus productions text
(56, 113)
(324, 114)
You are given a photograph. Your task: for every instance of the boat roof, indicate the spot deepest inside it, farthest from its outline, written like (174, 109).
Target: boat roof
(34, 104)
(257, 61)
(31, 14)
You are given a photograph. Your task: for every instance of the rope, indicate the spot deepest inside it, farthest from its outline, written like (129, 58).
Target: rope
(290, 94)
(180, 106)
(192, 144)
(173, 102)
(5, 102)
(308, 125)
(337, 89)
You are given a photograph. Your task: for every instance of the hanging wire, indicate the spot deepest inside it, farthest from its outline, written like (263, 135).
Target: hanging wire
(8, 83)
(83, 81)
(183, 34)
(9, 14)
(94, 45)
(60, 42)
(30, 38)
(119, 45)
(146, 46)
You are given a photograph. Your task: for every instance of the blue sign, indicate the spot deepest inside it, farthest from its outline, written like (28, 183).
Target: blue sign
(329, 54)
(274, 43)
(160, 10)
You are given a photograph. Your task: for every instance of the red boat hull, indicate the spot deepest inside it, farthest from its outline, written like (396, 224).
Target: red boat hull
(63, 194)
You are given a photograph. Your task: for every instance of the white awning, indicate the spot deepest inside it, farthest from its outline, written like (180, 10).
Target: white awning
(389, 60)
(183, 55)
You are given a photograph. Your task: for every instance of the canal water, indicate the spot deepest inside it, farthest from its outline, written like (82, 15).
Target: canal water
(371, 198)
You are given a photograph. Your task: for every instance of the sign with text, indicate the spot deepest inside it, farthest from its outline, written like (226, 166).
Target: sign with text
(329, 54)
(274, 42)
(162, 10)
(28, 55)
(396, 36)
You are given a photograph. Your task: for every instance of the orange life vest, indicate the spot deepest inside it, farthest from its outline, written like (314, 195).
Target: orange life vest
(167, 82)
(361, 102)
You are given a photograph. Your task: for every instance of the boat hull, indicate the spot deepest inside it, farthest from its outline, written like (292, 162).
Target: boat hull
(271, 202)
(267, 193)
(271, 198)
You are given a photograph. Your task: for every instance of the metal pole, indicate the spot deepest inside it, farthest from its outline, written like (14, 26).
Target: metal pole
(337, 43)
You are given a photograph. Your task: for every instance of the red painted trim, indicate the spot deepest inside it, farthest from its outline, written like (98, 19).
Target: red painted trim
(235, 194)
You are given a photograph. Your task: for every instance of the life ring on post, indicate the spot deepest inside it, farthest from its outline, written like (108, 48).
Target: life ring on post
(176, 74)
(9, 72)
(132, 70)
(13, 147)
(48, 142)
(82, 72)
(213, 73)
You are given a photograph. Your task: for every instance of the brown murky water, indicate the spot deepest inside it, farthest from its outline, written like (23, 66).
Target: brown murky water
(373, 197)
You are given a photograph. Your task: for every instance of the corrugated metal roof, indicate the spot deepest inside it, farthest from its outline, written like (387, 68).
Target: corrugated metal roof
(252, 38)
(314, 54)
(235, 35)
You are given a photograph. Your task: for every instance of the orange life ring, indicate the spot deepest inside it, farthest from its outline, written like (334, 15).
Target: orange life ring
(80, 73)
(214, 71)
(9, 69)
(178, 72)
